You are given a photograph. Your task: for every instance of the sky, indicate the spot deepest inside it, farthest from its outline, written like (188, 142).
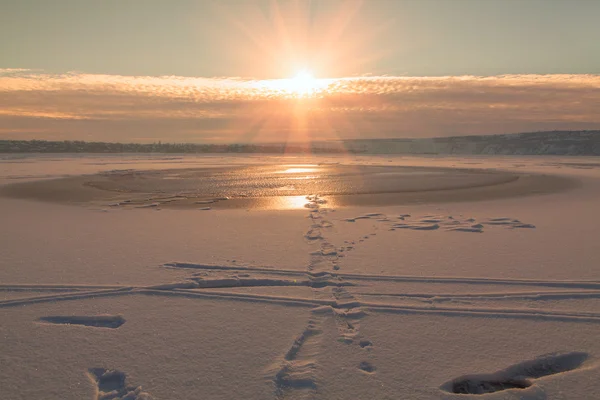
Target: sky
(295, 70)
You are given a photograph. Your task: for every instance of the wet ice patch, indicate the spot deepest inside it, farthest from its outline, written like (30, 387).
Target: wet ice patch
(95, 321)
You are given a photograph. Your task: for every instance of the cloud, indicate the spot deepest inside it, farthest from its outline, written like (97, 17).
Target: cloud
(35, 104)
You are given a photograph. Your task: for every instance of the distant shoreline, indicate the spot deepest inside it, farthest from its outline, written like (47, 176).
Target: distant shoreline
(582, 143)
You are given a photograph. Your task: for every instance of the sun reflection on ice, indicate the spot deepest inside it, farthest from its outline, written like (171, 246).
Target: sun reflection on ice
(298, 170)
(286, 203)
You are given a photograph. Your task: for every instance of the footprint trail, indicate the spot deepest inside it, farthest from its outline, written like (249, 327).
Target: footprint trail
(299, 371)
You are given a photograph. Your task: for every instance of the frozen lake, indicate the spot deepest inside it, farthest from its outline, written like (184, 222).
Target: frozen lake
(183, 277)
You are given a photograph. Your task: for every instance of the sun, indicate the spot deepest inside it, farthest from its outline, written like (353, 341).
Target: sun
(302, 84)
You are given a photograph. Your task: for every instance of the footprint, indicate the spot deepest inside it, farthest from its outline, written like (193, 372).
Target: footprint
(418, 227)
(151, 205)
(112, 384)
(311, 330)
(96, 321)
(295, 376)
(326, 224)
(298, 372)
(509, 223)
(347, 330)
(477, 228)
(367, 367)
(313, 234)
(519, 376)
(521, 225)
(328, 249)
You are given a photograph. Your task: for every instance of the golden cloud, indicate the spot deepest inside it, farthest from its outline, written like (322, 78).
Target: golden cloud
(113, 107)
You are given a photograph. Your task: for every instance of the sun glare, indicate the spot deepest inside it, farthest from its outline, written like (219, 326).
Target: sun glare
(304, 83)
